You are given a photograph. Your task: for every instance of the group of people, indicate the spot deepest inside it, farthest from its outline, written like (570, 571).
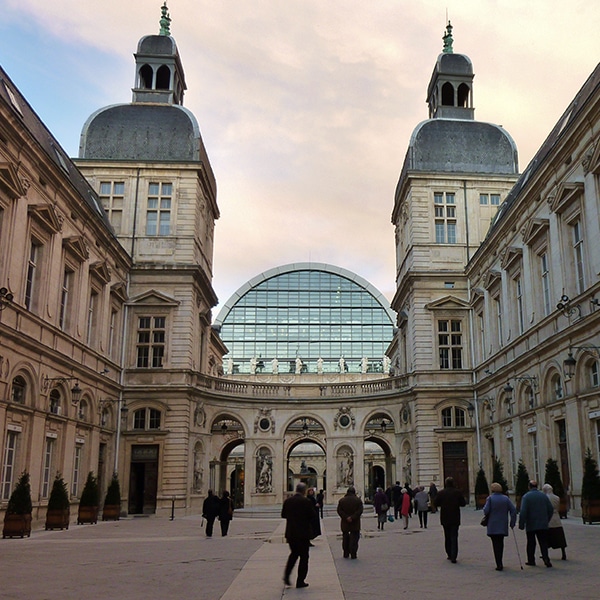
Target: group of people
(538, 516)
(405, 502)
(217, 508)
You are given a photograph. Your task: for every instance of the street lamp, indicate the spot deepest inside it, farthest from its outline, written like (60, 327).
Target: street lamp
(5, 298)
(570, 362)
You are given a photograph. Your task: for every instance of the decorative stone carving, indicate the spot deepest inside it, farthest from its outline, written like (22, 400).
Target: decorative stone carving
(264, 471)
(344, 418)
(264, 421)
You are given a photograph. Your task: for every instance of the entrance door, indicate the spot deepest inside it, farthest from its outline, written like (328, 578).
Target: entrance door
(143, 480)
(456, 465)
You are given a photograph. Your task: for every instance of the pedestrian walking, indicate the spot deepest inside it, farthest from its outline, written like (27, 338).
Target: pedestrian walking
(298, 512)
(432, 495)
(422, 506)
(536, 512)
(225, 512)
(210, 511)
(350, 507)
(556, 533)
(397, 498)
(449, 501)
(498, 508)
(380, 504)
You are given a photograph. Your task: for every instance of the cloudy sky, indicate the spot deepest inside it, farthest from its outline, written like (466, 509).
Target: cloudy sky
(306, 107)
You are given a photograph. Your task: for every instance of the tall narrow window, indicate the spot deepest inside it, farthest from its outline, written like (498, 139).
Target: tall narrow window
(47, 471)
(594, 375)
(64, 299)
(31, 281)
(150, 342)
(445, 217)
(450, 344)
(76, 470)
(535, 455)
(545, 275)
(499, 324)
(578, 256)
(519, 297)
(9, 463)
(481, 326)
(92, 318)
(111, 333)
(158, 216)
(18, 390)
(112, 196)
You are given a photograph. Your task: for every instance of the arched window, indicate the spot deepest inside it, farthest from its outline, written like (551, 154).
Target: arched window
(18, 390)
(55, 402)
(556, 387)
(146, 418)
(463, 95)
(447, 94)
(146, 75)
(453, 416)
(163, 78)
(83, 410)
(594, 375)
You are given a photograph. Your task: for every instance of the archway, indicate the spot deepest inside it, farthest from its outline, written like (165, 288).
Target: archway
(228, 473)
(306, 458)
(378, 460)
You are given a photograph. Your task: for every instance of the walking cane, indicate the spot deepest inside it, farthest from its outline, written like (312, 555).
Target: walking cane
(517, 547)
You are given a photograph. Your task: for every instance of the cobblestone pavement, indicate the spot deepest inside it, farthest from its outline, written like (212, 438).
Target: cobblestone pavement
(154, 558)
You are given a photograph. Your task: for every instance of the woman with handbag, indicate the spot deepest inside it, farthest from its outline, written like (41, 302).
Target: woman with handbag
(496, 512)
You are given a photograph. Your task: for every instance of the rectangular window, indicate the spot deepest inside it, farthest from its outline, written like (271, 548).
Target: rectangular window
(112, 333)
(535, 455)
(578, 256)
(112, 196)
(47, 473)
(594, 376)
(158, 215)
(9, 463)
(76, 470)
(92, 317)
(498, 307)
(484, 199)
(450, 344)
(445, 217)
(31, 280)
(545, 275)
(495, 199)
(150, 342)
(520, 311)
(64, 299)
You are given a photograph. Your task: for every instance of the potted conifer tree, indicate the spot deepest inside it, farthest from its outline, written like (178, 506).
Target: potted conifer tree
(482, 489)
(88, 503)
(59, 506)
(552, 476)
(112, 502)
(17, 519)
(590, 490)
(498, 474)
(521, 484)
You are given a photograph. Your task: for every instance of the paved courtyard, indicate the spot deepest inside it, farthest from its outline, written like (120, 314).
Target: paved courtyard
(151, 558)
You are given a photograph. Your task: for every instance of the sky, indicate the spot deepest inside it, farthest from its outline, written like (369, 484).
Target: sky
(306, 107)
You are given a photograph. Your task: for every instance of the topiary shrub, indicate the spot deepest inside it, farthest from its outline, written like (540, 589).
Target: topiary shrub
(59, 496)
(498, 474)
(19, 502)
(90, 496)
(521, 484)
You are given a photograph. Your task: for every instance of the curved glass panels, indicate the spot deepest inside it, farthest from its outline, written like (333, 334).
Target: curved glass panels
(317, 313)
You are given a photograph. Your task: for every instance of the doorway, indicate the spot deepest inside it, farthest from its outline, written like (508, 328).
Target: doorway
(456, 465)
(143, 480)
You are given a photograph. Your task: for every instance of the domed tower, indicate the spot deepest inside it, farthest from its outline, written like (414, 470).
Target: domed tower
(456, 173)
(147, 161)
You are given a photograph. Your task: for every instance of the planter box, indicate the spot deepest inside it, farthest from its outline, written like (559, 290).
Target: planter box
(17, 526)
(590, 511)
(57, 518)
(111, 512)
(563, 509)
(87, 514)
(480, 501)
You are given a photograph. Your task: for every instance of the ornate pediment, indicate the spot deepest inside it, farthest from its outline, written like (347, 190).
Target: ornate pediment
(534, 229)
(566, 194)
(76, 247)
(9, 181)
(119, 290)
(492, 277)
(510, 256)
(153, 298)
(447, 302)
(100, 270)
(46, 216)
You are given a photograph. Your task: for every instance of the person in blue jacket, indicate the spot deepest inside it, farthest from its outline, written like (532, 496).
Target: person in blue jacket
(536, 512)
(498, 507)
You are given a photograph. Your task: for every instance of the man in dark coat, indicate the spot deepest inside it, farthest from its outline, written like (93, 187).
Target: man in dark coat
(299, 513)
(449, 501)
(350, 507)
(210, 511)
(397, 498)
(536, 511)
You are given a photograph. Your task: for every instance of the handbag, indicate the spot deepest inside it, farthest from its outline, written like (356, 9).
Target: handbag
(486, 518)
(384, 507)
